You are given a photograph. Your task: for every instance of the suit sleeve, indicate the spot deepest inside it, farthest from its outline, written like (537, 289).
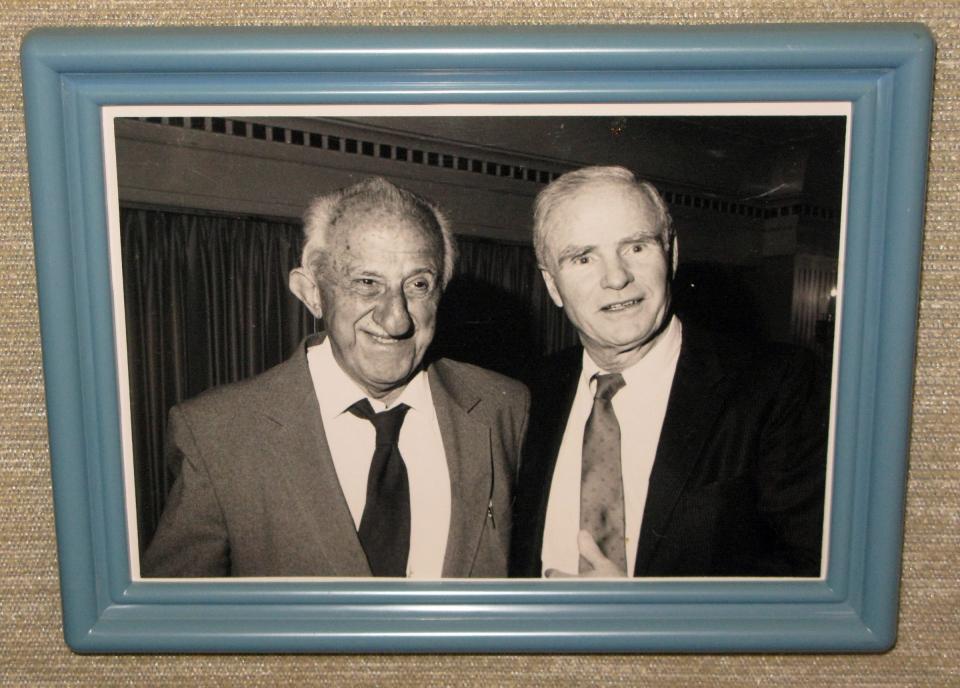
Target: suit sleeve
(792, 470)
(191, 539)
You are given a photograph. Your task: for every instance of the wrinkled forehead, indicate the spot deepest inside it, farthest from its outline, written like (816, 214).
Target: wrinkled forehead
(401, 229)
(603, 204)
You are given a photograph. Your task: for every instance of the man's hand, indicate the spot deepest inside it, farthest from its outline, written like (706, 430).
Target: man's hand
(602, 567)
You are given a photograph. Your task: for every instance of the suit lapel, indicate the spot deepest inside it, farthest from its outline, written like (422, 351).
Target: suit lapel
(692, 408)
(466, 443)
(294, 433)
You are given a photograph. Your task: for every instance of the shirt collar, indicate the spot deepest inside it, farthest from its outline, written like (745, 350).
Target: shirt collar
(665, 348)
(337, 392)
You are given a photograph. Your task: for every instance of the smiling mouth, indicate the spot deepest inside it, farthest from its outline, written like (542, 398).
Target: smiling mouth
(384, 339)
(620, 305)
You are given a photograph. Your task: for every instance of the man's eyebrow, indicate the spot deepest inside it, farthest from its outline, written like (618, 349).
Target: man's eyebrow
(353, 269)
(573, 251)
(425, 270)
(640, 236)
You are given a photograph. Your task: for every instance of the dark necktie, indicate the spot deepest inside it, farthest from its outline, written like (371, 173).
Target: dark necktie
(385, 525)
(601, 477)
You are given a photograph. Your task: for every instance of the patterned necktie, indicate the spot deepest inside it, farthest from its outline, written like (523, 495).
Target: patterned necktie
(601, 478)
(385, 525)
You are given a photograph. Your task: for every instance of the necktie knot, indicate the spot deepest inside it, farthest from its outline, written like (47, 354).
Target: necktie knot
(608, 385)
(387, 423)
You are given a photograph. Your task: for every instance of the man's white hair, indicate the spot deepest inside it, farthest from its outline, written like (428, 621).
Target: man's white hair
(375, 193)
(571, 183)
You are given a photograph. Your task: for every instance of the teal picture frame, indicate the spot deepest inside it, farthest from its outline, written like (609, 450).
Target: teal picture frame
(883, 70)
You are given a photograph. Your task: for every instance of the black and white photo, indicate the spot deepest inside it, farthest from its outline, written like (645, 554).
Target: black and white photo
(486, 269)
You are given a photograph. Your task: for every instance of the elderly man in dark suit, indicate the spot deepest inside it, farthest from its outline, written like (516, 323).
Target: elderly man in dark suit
(656, 448)
(355, 457)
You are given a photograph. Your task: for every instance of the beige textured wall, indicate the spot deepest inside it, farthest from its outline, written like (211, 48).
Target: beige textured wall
(928, 653)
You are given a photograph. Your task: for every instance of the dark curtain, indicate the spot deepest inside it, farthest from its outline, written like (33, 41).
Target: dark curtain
(206, 303)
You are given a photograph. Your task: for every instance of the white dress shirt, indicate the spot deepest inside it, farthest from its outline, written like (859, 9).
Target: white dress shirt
(352, 441)
(640, 407)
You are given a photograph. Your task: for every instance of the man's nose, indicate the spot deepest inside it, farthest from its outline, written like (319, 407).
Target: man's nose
(392, 315)
(615, 274)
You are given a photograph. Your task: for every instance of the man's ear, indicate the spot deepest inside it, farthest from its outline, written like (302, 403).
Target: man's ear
(552, 287)
(305, 287)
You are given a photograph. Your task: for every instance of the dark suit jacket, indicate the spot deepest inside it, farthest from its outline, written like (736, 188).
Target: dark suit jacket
(737, 485)
(257, 493)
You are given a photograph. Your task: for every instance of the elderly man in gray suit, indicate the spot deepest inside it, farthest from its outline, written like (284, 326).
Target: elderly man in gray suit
(357, 456)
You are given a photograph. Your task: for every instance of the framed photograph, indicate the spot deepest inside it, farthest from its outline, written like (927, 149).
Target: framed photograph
(206, 499)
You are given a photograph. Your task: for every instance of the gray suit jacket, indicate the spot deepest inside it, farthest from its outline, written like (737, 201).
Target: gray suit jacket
(257, 493)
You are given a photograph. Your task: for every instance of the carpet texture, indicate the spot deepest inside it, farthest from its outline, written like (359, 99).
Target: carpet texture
(32, 651)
